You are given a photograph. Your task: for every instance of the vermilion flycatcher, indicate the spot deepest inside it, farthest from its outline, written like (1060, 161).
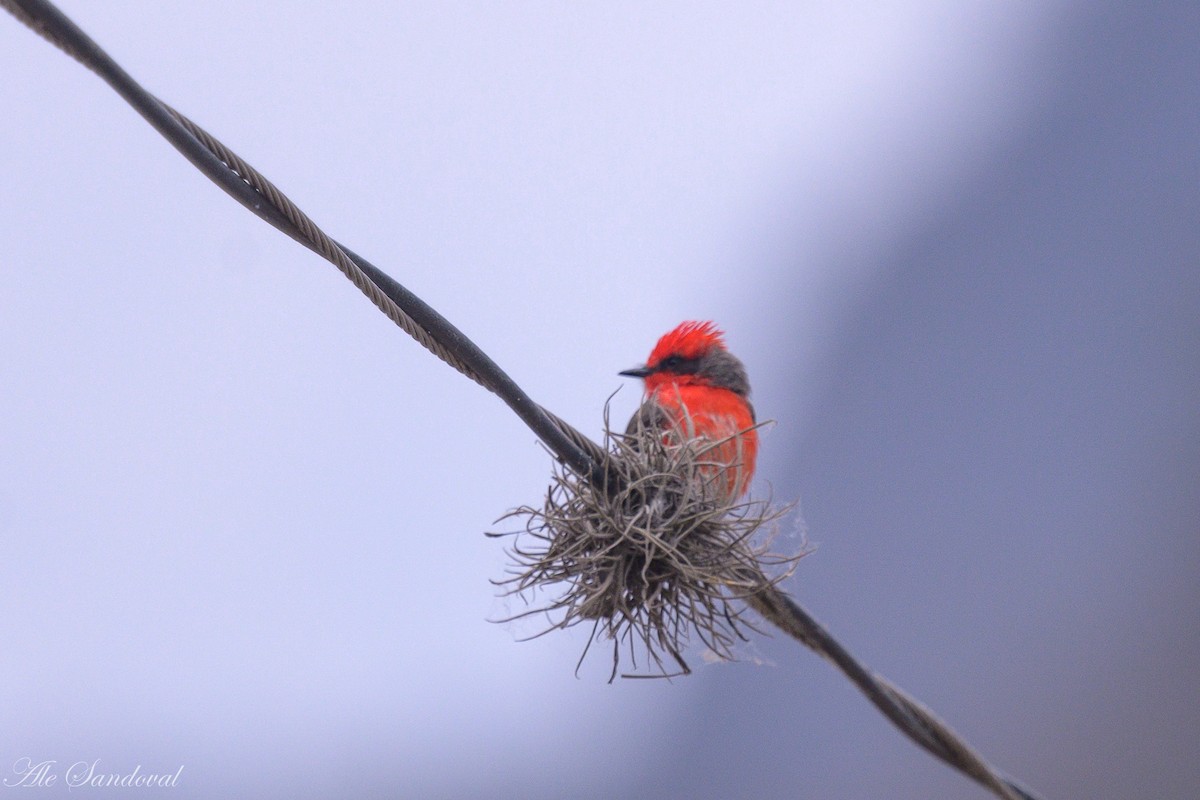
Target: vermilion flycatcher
(697, 389)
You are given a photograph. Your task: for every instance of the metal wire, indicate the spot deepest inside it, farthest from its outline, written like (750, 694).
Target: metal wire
(255, 192)
(914, 719)
(436, 334)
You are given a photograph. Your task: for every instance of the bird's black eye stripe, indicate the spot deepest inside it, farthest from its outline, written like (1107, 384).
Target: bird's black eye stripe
(679, 365)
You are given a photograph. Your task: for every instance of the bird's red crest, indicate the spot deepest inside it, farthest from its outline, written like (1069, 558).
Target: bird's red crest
(689, 340)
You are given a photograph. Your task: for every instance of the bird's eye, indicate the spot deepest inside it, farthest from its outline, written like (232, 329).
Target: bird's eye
(670, 362)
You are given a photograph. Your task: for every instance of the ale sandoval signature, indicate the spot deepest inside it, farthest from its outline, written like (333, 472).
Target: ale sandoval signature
(81, 774)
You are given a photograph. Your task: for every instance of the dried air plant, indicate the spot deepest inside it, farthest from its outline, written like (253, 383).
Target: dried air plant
(656, 555)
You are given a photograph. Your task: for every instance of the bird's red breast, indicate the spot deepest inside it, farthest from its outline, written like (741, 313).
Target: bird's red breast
(719, 416)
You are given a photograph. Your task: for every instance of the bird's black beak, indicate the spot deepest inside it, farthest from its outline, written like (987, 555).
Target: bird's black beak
(636, 372)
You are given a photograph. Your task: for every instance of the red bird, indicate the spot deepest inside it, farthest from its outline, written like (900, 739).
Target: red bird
(697, 389)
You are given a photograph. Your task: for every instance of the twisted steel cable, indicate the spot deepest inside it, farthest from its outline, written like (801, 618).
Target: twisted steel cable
(440, 337)
(255, 192)
(905, 712)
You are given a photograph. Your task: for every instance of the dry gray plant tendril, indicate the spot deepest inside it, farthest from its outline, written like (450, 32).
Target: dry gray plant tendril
(650, 561)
